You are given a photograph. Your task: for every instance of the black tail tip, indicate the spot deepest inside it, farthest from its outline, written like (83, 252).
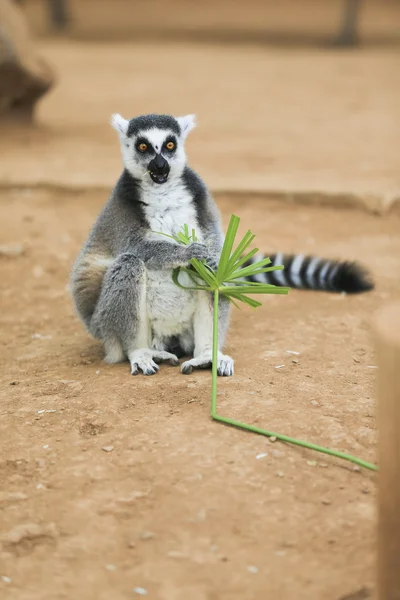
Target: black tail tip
(353, 278)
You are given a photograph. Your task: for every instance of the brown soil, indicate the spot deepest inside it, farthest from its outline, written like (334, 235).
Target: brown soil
(111, 483)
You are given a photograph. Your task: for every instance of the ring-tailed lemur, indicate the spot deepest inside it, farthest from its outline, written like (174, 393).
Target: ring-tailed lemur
(122, 280)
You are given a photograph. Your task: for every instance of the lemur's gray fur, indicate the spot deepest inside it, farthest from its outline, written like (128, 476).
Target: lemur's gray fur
(122, 280)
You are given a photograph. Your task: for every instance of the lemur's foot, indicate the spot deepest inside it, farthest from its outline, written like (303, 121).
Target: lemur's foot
(146, 360)
(204, 361)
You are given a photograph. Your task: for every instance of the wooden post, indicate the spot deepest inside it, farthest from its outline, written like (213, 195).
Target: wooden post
(350, 19)
(388, 346)
(58, 10)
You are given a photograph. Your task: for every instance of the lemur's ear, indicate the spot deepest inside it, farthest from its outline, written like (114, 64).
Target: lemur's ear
(119, 123)
(186, 124)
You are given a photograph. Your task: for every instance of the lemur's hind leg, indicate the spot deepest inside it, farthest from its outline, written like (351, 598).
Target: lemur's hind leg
(121, 317)
(203, 327)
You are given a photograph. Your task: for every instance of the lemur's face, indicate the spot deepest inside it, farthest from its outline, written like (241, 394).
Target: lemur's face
(153, 145)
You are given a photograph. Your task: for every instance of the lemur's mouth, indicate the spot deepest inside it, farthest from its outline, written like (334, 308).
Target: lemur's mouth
(159, 177)
(159, 169)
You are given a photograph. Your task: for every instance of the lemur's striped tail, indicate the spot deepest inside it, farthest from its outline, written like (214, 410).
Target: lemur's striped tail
(310, 272)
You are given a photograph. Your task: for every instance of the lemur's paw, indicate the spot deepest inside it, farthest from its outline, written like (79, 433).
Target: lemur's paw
(197, 250)
(146, 361)
(212, 262)
(225, 366)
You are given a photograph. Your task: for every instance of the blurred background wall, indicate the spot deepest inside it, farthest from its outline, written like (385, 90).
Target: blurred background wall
(296, 96)
(286, 21)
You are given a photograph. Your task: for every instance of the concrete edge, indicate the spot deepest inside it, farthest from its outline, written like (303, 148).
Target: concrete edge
(370, 203)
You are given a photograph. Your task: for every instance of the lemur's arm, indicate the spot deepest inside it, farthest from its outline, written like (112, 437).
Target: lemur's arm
(167, 255)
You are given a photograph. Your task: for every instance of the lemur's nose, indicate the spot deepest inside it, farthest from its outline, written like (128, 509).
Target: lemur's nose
(159, 162)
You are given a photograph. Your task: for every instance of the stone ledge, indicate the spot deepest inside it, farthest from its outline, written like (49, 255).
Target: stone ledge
(372, 204)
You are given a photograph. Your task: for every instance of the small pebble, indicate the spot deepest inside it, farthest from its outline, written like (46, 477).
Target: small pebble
(326, 501)
(108, 448)
(146, 535)
(11, 250)
(6, 579)
(292, 352)
(279, 366)
(312, 463)
(40, 486)
(295, 361)
(262, 455)
(97, 372)
(252, 569)
(315, 402)
(272, 438)
(39, 412)
(46, 446)
(175, 554)
(38, 271)
(140, 591)
(17, 496)
(280, 553)
(277, 453)
(111, 567)
(280, 474)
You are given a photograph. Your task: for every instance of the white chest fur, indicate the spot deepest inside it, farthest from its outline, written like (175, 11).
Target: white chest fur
(168, 209)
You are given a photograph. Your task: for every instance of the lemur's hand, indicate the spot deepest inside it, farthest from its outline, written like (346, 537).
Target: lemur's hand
(197, 250)
(212, 261)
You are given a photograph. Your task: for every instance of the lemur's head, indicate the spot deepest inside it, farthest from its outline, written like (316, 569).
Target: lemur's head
(153, 145)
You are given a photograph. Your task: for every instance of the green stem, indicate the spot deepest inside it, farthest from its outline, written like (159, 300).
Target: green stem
(285, 438)
(215, 357)
(278, 436)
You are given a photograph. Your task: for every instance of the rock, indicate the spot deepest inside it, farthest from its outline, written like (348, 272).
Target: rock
(146, 535)
(140, 591)
(11, 497)
(176, 554)
(108, 448)
(252, 569)
(9, 250)
(29, 531)
(24, 76)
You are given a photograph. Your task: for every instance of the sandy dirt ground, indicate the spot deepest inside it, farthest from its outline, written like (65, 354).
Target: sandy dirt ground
(114, 487)
(117, 487)
(270, 119)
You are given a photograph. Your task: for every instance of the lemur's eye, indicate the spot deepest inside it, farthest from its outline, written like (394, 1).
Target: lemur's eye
(142, 147)
(170, 146)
